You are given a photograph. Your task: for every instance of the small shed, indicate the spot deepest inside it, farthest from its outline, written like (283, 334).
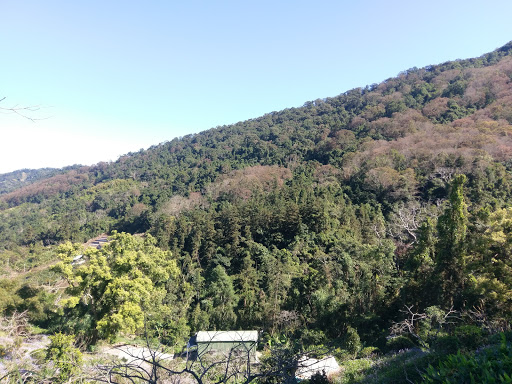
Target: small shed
(225, 342)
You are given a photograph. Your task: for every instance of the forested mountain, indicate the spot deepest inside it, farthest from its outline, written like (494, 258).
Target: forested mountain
(317, 222)
(17, 179)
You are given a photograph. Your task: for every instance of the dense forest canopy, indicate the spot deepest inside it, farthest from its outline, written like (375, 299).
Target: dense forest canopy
(316, 222)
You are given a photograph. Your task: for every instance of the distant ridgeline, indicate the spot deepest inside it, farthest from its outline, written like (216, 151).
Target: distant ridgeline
(14, 180)
(312, 219)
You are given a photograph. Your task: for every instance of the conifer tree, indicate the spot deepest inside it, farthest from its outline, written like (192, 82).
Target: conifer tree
(451, 249)
(222, 300)
(248, 291)
(420, 265)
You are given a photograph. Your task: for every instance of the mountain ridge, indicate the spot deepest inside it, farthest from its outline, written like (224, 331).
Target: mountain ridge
(484, 60)
(459, 110)
(318, 224)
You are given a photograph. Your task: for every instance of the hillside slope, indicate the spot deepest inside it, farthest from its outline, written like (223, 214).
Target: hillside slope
(402, 135)
(312, 220)
(17, 179)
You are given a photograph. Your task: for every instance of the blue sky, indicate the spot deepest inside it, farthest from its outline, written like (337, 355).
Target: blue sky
(113, 77)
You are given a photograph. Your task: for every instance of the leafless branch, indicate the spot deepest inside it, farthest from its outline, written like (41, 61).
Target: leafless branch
(234, 366)
(22, 111)
(433, 319)
(479, 316)
(443, 173)
(405, 220)
(15, 325)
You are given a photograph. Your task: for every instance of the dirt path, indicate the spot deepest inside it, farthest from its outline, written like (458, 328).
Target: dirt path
(134, 353)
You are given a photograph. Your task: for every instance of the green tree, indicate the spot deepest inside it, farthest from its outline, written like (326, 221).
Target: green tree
(451, 248)
(248, 291)
(420, 265)
(491, 277)
(118, 284)
(221, 300)
(351, 341)
(66, 358)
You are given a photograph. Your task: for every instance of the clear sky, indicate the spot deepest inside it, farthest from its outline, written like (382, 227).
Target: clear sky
(113, 77)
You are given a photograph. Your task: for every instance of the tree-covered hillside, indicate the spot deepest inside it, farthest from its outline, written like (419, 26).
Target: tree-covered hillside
(17, 179)
(316, 222)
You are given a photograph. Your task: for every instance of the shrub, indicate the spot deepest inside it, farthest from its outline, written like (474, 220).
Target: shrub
(399, 343)
(445, 344)
(354, 370)
(319, 378)
(469, 336)
(368, 351)
(342, 354)
(492, 365)
(351, 341)
(65, 357)
(313, 337)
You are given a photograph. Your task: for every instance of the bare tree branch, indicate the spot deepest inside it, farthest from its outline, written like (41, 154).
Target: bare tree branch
(235, 366)
(405, 220)
(22, 111)
(433, 318)
(15, 325)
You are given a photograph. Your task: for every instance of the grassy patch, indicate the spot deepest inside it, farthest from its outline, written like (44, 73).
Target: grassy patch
(392, 368)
